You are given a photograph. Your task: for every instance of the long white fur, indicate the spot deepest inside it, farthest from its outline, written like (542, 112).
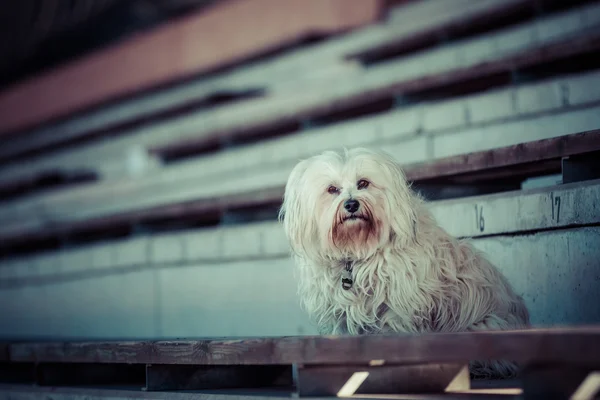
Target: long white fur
(409, 274)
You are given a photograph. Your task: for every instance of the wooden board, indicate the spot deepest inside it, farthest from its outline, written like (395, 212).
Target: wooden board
(193, 377)
(4, 356)
(565, 345)
(16, 392)
(502, 161)
(394, 379)
(174, 51)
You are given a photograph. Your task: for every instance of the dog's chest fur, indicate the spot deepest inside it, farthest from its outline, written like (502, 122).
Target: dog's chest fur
(385, 296)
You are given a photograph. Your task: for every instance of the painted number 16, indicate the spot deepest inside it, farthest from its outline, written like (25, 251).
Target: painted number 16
(479, 221)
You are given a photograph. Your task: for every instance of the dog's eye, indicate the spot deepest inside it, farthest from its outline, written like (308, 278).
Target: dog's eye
(332, 190)
(362, 184)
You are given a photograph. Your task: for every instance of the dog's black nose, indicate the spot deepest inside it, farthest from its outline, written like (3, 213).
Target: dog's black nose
(351, 205)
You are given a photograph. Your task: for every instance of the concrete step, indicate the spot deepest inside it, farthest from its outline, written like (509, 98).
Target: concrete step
(406, 23)
(486, 54)
(555, 271)
(249, 170)
(223, 275)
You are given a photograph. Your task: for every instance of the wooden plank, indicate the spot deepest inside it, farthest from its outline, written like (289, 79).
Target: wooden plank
(553, 382)
(589, 388)
(505, 158)
(151, 59)
(395, 77)
(21, 373)
(194, 377)
(577, 345)
(22, 392)
(67, 215)
(434, 18)
(339, 380)
(4, 352)
(17, 392)
(68, 374)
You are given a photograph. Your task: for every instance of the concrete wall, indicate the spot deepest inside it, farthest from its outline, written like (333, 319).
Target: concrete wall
(557, 272)
(238, 281)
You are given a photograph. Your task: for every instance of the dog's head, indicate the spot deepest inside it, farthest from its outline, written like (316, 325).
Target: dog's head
(346, 205)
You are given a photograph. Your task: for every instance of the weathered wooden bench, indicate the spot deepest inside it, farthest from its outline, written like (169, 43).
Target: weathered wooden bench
(555, 364)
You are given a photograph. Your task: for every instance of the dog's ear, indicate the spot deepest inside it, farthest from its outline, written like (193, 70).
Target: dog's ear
(403, 204)
(295, 214)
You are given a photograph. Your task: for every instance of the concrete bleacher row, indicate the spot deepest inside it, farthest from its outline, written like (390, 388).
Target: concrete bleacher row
(415, 21)
(171, 52)
(251, 263)
(503, 214)
(257, 297)
(238, 280)
(506, 50)
(425, 132)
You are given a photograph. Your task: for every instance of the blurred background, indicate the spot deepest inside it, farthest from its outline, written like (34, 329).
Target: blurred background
(144, 146)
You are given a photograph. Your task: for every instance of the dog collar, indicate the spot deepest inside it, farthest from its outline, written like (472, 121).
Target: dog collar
(347, 276)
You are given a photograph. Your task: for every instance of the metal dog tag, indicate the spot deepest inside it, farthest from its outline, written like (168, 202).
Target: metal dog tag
(347, 277)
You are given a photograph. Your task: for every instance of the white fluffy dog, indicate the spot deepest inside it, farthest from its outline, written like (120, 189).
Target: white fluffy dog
(371, 259)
